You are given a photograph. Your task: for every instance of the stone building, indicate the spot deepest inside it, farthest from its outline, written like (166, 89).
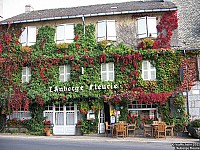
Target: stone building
(128, 22)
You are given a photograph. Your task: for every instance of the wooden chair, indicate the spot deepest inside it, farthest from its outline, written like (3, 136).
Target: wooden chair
(170, 129)
(108, 128)
(120, 130)
(131, 127)
(161, 130)
(147, 128)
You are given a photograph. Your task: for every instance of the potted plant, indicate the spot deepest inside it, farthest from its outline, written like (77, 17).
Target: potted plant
(47, 131)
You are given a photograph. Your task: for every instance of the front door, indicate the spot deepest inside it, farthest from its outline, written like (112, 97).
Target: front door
(64, 118)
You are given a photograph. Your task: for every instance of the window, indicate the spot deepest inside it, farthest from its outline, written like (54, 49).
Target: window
(26, 74)
(65, 33)
(64, 73)
(148, 71)
(106, 30)
(28, 36)
(107, 72)
(146, 27)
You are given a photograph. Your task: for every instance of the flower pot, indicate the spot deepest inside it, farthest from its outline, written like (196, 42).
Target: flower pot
(48, 133)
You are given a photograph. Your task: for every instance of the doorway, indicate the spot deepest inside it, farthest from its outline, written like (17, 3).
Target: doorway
(63, 118)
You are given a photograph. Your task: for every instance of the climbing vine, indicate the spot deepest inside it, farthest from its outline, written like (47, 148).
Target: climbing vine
(45, 57)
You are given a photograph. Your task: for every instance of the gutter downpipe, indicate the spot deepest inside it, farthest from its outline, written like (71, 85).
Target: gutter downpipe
(187, 95)
(83, 22)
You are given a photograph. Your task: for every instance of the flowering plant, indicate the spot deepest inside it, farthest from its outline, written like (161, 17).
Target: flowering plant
(47, 122)
(146, 43)
(62, 45)
(47, 129)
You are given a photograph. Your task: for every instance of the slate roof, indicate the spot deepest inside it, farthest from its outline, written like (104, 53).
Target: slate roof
(92, 10)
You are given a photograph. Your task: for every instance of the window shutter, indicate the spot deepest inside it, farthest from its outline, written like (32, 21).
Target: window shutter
(153, 75)
(69, 33)
(29, 74)
(111, 71)
(67, 72)
(103, 72)
(23, 37)
(60, 34)
(23, 74)
(31, 35)
(61, 69)
(111, 30)
(152, 71)
(151, 24)
(26, 74)
(142, 27)
(101, 29)
(145, 70)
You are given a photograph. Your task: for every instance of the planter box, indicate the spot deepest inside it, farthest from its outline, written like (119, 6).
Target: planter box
(17, 129)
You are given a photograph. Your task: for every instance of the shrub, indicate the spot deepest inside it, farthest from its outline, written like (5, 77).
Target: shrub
(195, 123)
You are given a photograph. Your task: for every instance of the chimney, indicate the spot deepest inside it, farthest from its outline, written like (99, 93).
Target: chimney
(28, 8)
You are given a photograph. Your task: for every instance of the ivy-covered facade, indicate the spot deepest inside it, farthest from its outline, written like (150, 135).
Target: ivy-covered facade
(127, 73)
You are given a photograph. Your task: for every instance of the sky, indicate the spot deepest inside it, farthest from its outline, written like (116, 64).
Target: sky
(14, 7)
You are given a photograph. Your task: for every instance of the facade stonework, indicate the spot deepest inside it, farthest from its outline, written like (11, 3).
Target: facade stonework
(189, 38)
(189, 23)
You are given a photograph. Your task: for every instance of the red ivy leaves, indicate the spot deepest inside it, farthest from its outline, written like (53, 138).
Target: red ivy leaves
(42, 70)
(90, 60)
(7, 38)
(167, 24)
(153, 98)
(102, 58)
(1, 48)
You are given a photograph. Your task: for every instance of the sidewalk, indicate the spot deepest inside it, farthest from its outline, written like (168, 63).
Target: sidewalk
(102, 138)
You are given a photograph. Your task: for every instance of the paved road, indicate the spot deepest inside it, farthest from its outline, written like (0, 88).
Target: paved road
(91, 142)
(43, 143)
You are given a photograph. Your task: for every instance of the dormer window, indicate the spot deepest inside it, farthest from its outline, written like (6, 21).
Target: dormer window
(28, 36)
(146, 27)
(106, 30)
(65, 33)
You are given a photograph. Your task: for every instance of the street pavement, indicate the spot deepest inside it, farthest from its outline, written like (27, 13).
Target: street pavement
(102, 138)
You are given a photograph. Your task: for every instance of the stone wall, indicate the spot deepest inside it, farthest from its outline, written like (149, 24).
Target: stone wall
(189, 23)
(194, 101)
(189, 37)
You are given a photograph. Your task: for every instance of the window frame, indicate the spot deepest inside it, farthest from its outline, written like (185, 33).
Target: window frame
(108, 71)
(67, 38)
(106, 30)
(27, 74)
(149, 70)
(65, 74)
(147, 27)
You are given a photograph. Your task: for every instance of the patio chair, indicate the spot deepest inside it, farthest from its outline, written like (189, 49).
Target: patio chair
(120, 130)
(147, 128)
(161, 130)
(108, 128)
(170, 129)
(131, 127)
